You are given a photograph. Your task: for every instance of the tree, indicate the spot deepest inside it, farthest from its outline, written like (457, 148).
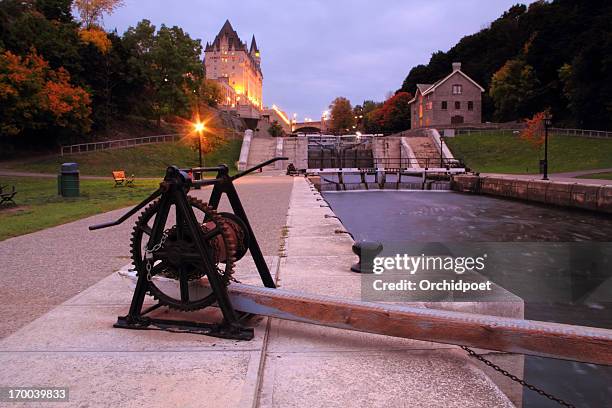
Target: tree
(36, 98)
(207, 93)
(275, 129)
(533, 132)
(91, 11)
(168, 61)
(369, 124)
(513, 87)
(342, 117)
(394, 115)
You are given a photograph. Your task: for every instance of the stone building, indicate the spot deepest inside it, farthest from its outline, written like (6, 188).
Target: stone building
(237, 70)
(455, 99)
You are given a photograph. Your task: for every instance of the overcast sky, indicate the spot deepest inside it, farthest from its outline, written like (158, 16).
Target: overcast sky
(315, 50)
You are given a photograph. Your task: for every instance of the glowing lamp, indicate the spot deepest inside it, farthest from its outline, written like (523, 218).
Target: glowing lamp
(199, 126)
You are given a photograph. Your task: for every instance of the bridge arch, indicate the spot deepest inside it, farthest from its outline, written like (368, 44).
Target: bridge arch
(307, 129)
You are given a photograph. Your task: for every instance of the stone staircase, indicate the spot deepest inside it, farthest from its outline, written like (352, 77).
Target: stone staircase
(262, 148)
(424, 148)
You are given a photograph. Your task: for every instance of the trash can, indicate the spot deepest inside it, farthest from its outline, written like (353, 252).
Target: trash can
(68, 180)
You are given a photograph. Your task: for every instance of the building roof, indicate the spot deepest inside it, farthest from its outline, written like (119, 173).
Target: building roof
(423, 87)
(233, 40)
(458, 71)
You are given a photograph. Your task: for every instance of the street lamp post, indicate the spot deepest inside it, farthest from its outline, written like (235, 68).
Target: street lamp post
(199, 128)
(547, 123)
(200, 147)
(441, 151)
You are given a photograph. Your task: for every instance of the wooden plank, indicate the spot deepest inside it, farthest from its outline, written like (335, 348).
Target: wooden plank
(579, 343)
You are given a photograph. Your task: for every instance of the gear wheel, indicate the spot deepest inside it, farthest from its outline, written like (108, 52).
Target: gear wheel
(176, 254)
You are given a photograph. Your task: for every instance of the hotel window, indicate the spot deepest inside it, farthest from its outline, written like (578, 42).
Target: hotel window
(470, 106)
(457, 89)
(457, 105)
(444, 105)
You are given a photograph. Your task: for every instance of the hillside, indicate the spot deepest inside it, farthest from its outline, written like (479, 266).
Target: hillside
(143, 161)
(564, 50)
(497, 152)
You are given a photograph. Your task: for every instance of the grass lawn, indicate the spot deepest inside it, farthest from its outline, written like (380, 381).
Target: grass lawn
(39, 206)
(497, 152)
(142, 161)
(604, 176)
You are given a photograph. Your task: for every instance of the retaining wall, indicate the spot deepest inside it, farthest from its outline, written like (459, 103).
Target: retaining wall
(565, 194)
(244, 150)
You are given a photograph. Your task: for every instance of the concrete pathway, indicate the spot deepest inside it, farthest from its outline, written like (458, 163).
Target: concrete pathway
(43, 269)
(563, 177)
(582, 173)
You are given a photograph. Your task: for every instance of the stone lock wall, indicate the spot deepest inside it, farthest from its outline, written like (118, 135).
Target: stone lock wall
(584, 196)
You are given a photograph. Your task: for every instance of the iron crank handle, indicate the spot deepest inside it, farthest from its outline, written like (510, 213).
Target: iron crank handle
(127, 215)
(259, 166)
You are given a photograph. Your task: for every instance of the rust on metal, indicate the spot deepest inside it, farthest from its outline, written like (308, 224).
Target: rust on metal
(579, 343)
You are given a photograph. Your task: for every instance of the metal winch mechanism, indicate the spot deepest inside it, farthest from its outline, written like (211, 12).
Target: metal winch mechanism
(184, 251)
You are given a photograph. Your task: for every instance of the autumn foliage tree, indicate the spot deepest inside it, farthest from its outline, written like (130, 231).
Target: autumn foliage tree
(35, 97)
(394, 115)
(91, 11)
(534, 130)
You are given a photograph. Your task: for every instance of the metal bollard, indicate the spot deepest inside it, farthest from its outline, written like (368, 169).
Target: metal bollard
(366, 251)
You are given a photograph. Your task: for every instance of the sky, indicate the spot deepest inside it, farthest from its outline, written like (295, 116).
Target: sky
(315, 50)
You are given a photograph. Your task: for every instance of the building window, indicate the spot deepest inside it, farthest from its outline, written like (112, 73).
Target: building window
(470, 105)
(457, 105)
(429, 106)
(444, 105)
(457, 89)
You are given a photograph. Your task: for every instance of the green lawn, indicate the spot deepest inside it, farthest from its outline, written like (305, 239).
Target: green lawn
(39, 206)
(604, 176)
(143, 161)
(497, 152)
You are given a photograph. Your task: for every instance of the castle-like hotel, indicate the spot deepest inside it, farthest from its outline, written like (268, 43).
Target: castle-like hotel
(236, 68)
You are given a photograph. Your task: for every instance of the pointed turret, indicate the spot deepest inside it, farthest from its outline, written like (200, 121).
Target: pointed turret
(228, 32)
(253, 50)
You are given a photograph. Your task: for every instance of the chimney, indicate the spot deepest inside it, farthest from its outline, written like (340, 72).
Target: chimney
(456, 66)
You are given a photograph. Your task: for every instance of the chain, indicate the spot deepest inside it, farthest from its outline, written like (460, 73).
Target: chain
(149, 254)
(513, 377)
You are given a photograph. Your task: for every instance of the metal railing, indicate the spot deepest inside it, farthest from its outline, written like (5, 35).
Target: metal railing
(117, 144)
(599, 134)
(373, 163)
(582, 132)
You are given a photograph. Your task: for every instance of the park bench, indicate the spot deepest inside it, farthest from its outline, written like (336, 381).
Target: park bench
(121, 179)
(7, 196)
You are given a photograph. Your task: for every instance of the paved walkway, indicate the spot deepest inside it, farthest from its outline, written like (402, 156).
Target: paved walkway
(562, 177)
(45, 268)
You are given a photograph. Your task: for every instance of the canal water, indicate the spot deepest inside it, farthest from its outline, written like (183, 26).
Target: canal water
(549, 242)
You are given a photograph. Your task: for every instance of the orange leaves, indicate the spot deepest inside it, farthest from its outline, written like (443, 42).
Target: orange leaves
(37, 97)
(534, 131)
(96, 37)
